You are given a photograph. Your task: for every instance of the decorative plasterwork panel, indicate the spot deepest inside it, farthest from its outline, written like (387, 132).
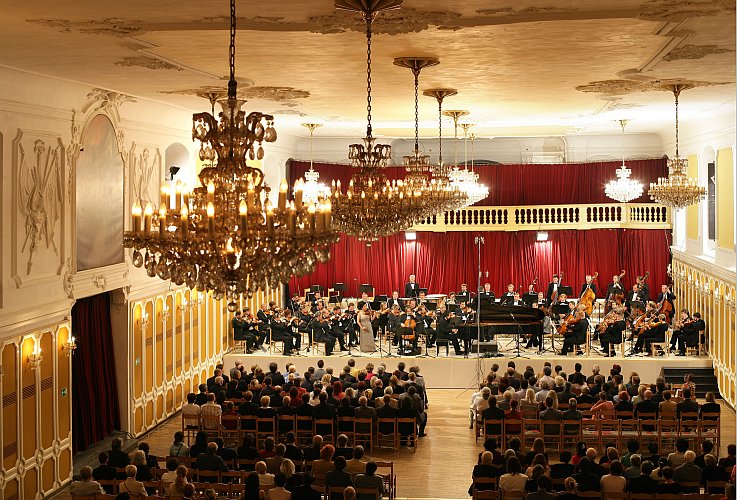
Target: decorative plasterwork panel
(114, 26)
(694, 52)
(147, 62)
(39, 160)
(146, 169)
(623, 86)
(107, 102)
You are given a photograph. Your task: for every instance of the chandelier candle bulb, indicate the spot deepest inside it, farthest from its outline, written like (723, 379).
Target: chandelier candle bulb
(321, 219)
(298, 192)
(269, 217)
(292, 220)
(251, 197)
(178, 196)
(210, 192)
(328, 214)
(283, 195)
(136, 217)
(163, 192)
(184, 220)
(185, 195)
(211, 220)
(162, 221)
(312, 216)
(243, 213)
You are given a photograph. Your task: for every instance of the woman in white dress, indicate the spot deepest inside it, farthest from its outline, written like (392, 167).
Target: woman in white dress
(367, 331)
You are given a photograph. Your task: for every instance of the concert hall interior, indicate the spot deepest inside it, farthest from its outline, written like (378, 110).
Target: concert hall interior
(189, 184)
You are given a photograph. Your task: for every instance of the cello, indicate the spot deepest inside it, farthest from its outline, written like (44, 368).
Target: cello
(588, 297)
(615, 298)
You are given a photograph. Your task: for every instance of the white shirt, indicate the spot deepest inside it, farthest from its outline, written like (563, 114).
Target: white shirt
(278, 493)
(513, 482)
(265, 479)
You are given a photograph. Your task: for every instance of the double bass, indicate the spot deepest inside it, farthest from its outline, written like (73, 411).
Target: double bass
(589, 297)
(665, 307)
(554, 295)
(615, 298)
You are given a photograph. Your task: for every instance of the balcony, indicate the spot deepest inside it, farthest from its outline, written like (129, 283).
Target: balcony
(551, 218)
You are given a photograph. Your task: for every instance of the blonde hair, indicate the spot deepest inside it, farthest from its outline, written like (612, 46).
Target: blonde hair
(138, 458)
(530, 395)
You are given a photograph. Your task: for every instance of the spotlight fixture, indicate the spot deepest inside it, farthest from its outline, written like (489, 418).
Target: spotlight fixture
(173, 171)
(542, 236)
(410, 235)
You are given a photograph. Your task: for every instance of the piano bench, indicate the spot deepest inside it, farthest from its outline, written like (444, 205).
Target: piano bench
(437, 347)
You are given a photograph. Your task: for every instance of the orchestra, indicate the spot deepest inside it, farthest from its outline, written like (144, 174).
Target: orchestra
(454, 319)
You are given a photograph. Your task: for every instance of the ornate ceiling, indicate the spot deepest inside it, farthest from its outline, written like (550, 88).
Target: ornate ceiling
(524, 67)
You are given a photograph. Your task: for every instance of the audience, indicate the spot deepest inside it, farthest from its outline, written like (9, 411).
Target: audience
(86, 486)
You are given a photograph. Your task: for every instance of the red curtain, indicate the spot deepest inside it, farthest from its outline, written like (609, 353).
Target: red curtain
(442, 261)
(527, 184)
(95, 389)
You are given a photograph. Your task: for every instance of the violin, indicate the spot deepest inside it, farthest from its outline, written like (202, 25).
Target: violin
(616, 314)
(571, 319)
(683, 323)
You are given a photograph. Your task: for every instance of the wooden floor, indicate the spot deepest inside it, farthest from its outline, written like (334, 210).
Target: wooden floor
(442, 465)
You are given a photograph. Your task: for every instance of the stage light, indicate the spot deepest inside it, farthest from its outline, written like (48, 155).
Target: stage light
(410, 235)
(542, 236)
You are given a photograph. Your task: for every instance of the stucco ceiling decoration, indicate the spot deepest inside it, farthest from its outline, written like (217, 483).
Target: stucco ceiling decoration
(678, 10)
(393, 22)
(694, 52)
(278, 94)
(107, 26)
(147, 62)
(625, 87)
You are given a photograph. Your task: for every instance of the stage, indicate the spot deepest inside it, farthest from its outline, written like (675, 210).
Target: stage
(459, 372)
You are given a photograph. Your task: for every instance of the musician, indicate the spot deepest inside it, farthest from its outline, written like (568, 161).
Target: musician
(305, 319)
(643, 287)
(509, 294)
(539, 330)
(541, 300)
(281, 331)
(613, 326)
(380, 318)
(634, 295)
(464, 294)
(448, 324)
(451, 300)
(316, 298)
(486, 293)
(553, 287)
(576, 325)
(614, 288)
(517, 300)
(394, 323)
(531, 288)
(296, 303)
(263, 316)
(686, 332)
(421, 299)
(395, 300)
(653, 331)
(405, 319)
(562, 299)
(424, 326)
(344, 323)
(588, 285)
(412, 289)
(323, 331)
(467, 326)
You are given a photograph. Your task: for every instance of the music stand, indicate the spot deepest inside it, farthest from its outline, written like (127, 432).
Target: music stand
(637, 304)
(431, 306)
(565, 289)
(335, 299)
(339, 287)
(310, 296)
(506, 299)
(454, 308)
(366, 287)
(560, 309)
(382, 298)
(317, 288)
(422, 290)
(529, 298)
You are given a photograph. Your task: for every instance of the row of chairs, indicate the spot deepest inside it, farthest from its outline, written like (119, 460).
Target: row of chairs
(598, 432)
(364, 431)
(596, 495)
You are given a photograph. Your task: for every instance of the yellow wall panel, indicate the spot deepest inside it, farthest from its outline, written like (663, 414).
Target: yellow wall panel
(137, 350)
(159, 407)
(692, 212)
(47, 475)
(63, 383)
(148, 349)
(47, 389)
(28, 402)
(65, 464)
(30, 484)
(10, 406)
(159, 345)
(725, 199)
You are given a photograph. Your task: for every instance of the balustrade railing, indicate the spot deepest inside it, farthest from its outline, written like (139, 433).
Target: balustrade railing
(551, 217)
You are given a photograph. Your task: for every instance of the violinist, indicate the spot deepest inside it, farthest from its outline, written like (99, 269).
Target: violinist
(394, 323)
(653, 331)
(464, 295)
(634, 295)
(395, 300)
(424, 326)
(588, 285)
(263, 315)
(316, 298)
(421, 299)
(553, 287)
(294, 324)
(574, 328)
(349, 323)
(296, 303)
(407, 325)
(611, 328)
(448, 324)
(323, 331)
(242, 330)
(342, 325)
(509, 294)
(380, 318)
(686, 332)
(305, 318)
(281, 331)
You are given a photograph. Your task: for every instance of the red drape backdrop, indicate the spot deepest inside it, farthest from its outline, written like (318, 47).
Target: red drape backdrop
(442, 261)
(527, 184)
(96, 412)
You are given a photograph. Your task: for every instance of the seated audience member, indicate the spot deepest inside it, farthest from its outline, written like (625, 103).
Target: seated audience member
(264, 478)
(654, 453)
(706, 448)
(538, 447)
(356, 465)
(614, 482)
(323, 465)
(571, 490)
(635, 465)
(338, 476)
(712, 472)
(104, 472)
(342, 449)
(273, 464)
(278, 492)
(293, 452)
(178, 448)
(585, 480)
(563, 469)
(677, 458)
(688, 472)
(729, 460)
(246, 451)
(632, 447)
(177, 487)
(191, 411)
(143, 472)
(643, 483)
(534, 473)
(116, 457)
(200, 444)
(668, 486)
(484, 469)
(152, 462)
(543, 490)
(711, 406)
(312, 453)
(513, 480)
(170, 475)
(210, 461)
(369, 480)
(268, 450)
(132, 486)
(86, 486)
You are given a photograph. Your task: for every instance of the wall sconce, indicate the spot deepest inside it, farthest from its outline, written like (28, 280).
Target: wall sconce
(200, 298)
(35, 358)
(143, 321)
(164, 313)
(69, 346)
(184, 306)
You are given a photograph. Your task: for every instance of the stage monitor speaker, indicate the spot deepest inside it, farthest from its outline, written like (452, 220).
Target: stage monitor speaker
(490, 346)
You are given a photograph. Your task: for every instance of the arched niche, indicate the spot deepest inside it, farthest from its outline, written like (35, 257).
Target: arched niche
(99, 207)
(177, 155)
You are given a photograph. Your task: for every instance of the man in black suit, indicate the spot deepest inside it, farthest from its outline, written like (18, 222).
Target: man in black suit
(665, 294)
(643, 483)
(464, 295)
(687, 335)
(201, 397)
(585, 480)
(614, 288)
(634, 295)
(553, 286)
(264, 326)
(493, 412)
(211, 461)
(395, 300)
(688, 405)
(247, 407)
(323, 410)
(412, 289)
(647, 405)
(486, 294)
(104, 472)
(588, 284)
(551, 414)
(116, 457)
(643, 287)
(564, 469)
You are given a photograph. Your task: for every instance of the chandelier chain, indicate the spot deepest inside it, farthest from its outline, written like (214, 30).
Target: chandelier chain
(231, 50)
(369, 18)
(440, 132)
(676, 92)
(417, 110)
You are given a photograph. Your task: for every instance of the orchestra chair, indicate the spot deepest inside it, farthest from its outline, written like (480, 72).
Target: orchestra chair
(446, 343)
(324, 427)
(709, 429)
(273, 348)
(411, 437)
(512, 429)
(478, 424)
(212, 424)
(700, 347)
(571, 432)
(305, 429)
(347, 426)
(386, 471)
(387, 428)
(520, 495)
(265, 427)
(490, 486)
(363, 433)
(285, 425)
(663, 347)
(368, 288)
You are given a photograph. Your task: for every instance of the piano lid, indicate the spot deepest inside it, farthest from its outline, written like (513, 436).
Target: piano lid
(509, 314)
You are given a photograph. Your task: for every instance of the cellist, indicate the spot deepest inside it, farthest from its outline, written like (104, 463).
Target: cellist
(575, 325)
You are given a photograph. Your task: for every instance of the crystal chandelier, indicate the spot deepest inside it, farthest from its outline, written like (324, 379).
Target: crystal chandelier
(372, 206)
(312, 189)
(441, 170)
(434, 195)
(677, 190)
(466, 179)
(227, 236)
(623, 189)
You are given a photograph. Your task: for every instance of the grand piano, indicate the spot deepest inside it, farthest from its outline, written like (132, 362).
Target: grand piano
(496, 318)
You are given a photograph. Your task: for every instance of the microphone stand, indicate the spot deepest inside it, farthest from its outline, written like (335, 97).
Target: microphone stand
(518, 353)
